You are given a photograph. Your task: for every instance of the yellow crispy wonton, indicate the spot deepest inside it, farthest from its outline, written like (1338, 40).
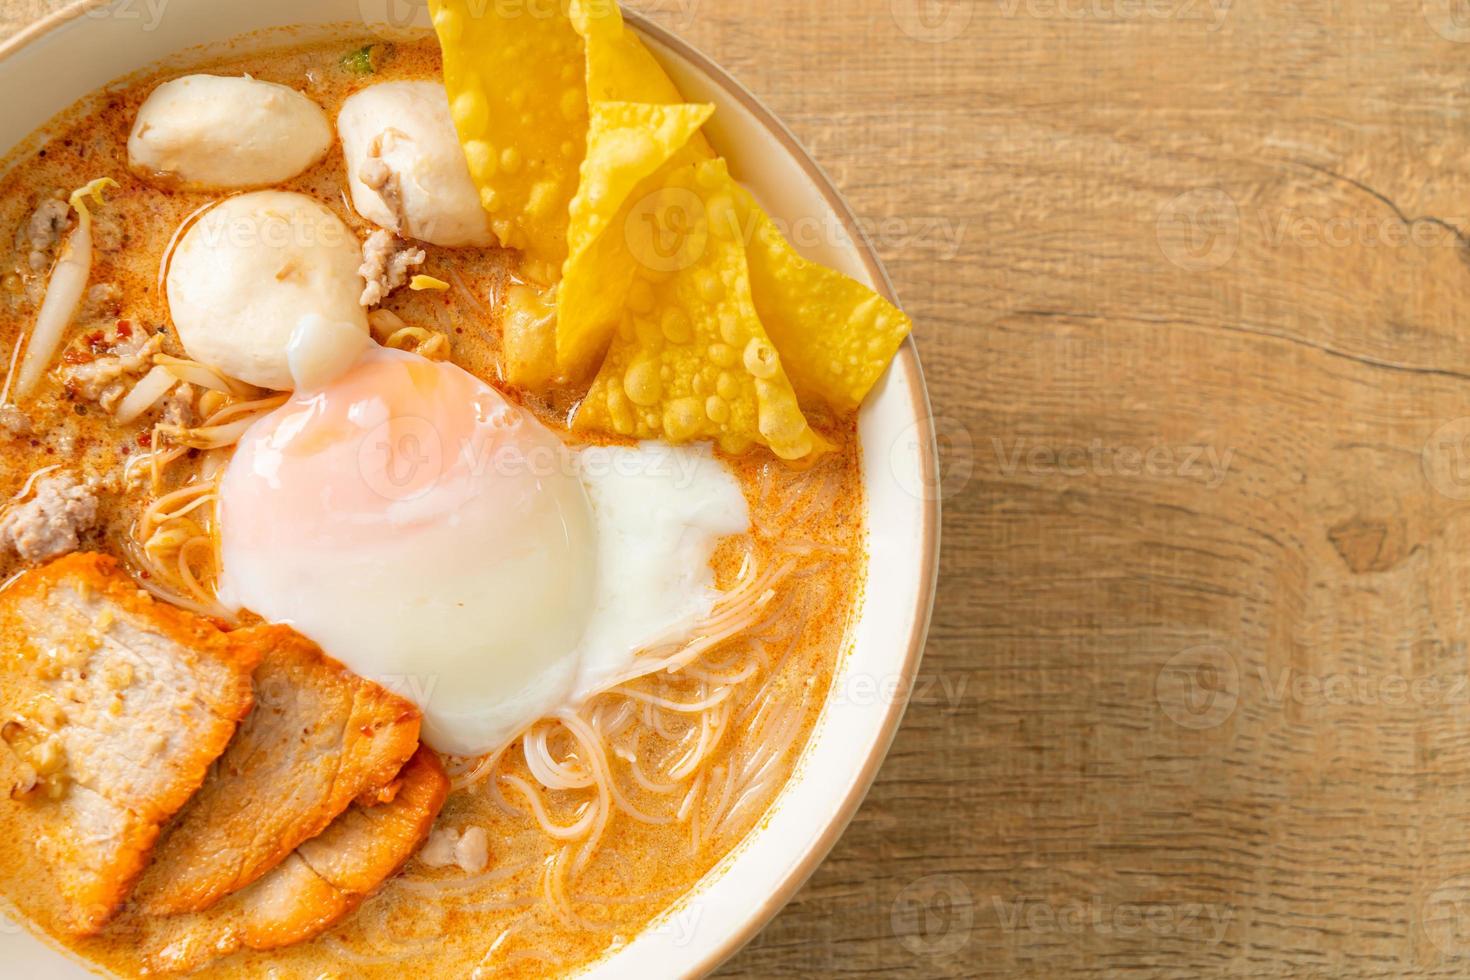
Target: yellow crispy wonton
(836, 335)
(620, 68)
(627, 144)
(517, 91)
(690, 359)
(667, 279)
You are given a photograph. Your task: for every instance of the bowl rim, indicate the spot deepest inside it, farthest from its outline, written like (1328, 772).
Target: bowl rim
(906, 360)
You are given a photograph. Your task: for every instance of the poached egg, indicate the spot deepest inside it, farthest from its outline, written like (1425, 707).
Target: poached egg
(440, 540)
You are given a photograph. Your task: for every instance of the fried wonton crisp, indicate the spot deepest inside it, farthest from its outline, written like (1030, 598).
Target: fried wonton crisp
(836, 336)
(517, 91)
(666, 278)
(619, 67)
(690, 359)
(528, 337)
(627, 143)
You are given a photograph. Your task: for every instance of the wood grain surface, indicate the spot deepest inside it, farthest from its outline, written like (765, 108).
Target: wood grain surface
(1191, 284)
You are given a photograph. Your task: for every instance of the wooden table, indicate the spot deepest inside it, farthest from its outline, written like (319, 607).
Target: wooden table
(1190, 282)
(1191, 291)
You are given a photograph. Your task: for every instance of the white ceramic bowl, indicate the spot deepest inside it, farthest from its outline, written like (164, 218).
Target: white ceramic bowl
(74, 53)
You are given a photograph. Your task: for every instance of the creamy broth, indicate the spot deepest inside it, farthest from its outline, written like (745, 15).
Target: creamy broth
(544, 905)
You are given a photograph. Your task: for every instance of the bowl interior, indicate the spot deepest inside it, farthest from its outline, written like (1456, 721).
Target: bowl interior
(98, 44)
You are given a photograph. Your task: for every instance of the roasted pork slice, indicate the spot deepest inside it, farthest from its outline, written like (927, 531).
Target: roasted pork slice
(319, 737)
(325, 880)
(112, 706)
